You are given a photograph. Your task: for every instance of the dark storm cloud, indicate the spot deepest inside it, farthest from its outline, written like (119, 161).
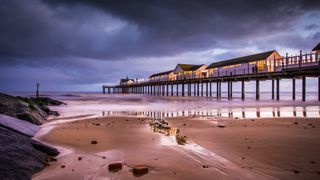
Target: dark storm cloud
(147, 28)
(97, 41)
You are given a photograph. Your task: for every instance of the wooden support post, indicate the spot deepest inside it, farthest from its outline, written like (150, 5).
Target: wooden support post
(201, 89)
(177, 90)
(210, 89)
(242, 89)
(182, 88)
(272, 89)
(194, 89)
(207, 89)
(293, 89)
(217, 89)
(103, 90)
(278, 89)
(257, 90)
(198, 89)
(163, 90)
(303, 88)
(318, 88)
(172, 89)
(167, 89)
(229, 90)
(220, 84)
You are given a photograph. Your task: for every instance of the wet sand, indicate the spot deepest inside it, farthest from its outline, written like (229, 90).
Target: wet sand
(244, 149)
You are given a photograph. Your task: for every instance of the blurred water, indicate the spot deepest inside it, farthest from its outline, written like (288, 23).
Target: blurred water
(83, 103)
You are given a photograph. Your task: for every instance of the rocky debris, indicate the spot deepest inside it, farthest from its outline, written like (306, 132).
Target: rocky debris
(34, 110)
(94, 142)
(115, 166)
(312, 162)
(20, 156)
(221, 126)
(54, 113)
(140, 170)
(17, 125)
(295, 123)
(44, 148)
(181, 140)
(296, 171)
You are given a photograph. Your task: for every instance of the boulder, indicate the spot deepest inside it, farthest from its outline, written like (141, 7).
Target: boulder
(19, 159)
(44, 148)
(17, 125)
(34, 110)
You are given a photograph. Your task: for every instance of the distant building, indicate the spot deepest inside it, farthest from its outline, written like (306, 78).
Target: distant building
(189, 71)
(126, 81)
(261, 62)
(317, 48)
(163, 76)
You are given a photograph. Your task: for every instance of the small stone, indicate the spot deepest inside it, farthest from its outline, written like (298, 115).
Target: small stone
(114, 167)
(63, 166)
(296, 171)
(79, 158)
(221, 126)
(94, 142)
(140, 170)
(312, 162)
(103, 157)
(295, 123)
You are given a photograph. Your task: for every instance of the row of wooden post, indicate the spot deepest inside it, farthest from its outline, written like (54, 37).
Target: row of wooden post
(163, 90)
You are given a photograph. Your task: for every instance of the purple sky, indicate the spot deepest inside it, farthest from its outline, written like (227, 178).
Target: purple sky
(78, 45)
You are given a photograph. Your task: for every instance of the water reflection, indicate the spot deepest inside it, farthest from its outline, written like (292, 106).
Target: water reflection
(239, 113)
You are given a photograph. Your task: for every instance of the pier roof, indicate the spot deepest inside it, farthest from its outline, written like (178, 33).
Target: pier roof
(244, 59)
(126, 80)
(317, 48)
(160, 74)
(189, 67)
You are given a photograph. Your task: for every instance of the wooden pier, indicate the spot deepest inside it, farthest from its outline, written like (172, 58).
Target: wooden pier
(294, 67)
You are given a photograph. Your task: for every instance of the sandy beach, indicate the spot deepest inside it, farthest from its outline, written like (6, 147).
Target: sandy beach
(216, 148)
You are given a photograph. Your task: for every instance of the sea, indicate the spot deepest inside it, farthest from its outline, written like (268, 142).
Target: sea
(97, 104)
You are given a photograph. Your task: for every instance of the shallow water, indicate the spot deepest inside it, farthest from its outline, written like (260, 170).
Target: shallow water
(161, 106)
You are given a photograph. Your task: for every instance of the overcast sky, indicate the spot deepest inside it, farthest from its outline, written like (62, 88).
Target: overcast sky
(78, 45)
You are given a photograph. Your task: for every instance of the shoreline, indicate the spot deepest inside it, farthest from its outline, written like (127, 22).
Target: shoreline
(128, 130)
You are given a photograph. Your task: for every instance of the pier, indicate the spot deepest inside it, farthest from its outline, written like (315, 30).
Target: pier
(289, 67)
